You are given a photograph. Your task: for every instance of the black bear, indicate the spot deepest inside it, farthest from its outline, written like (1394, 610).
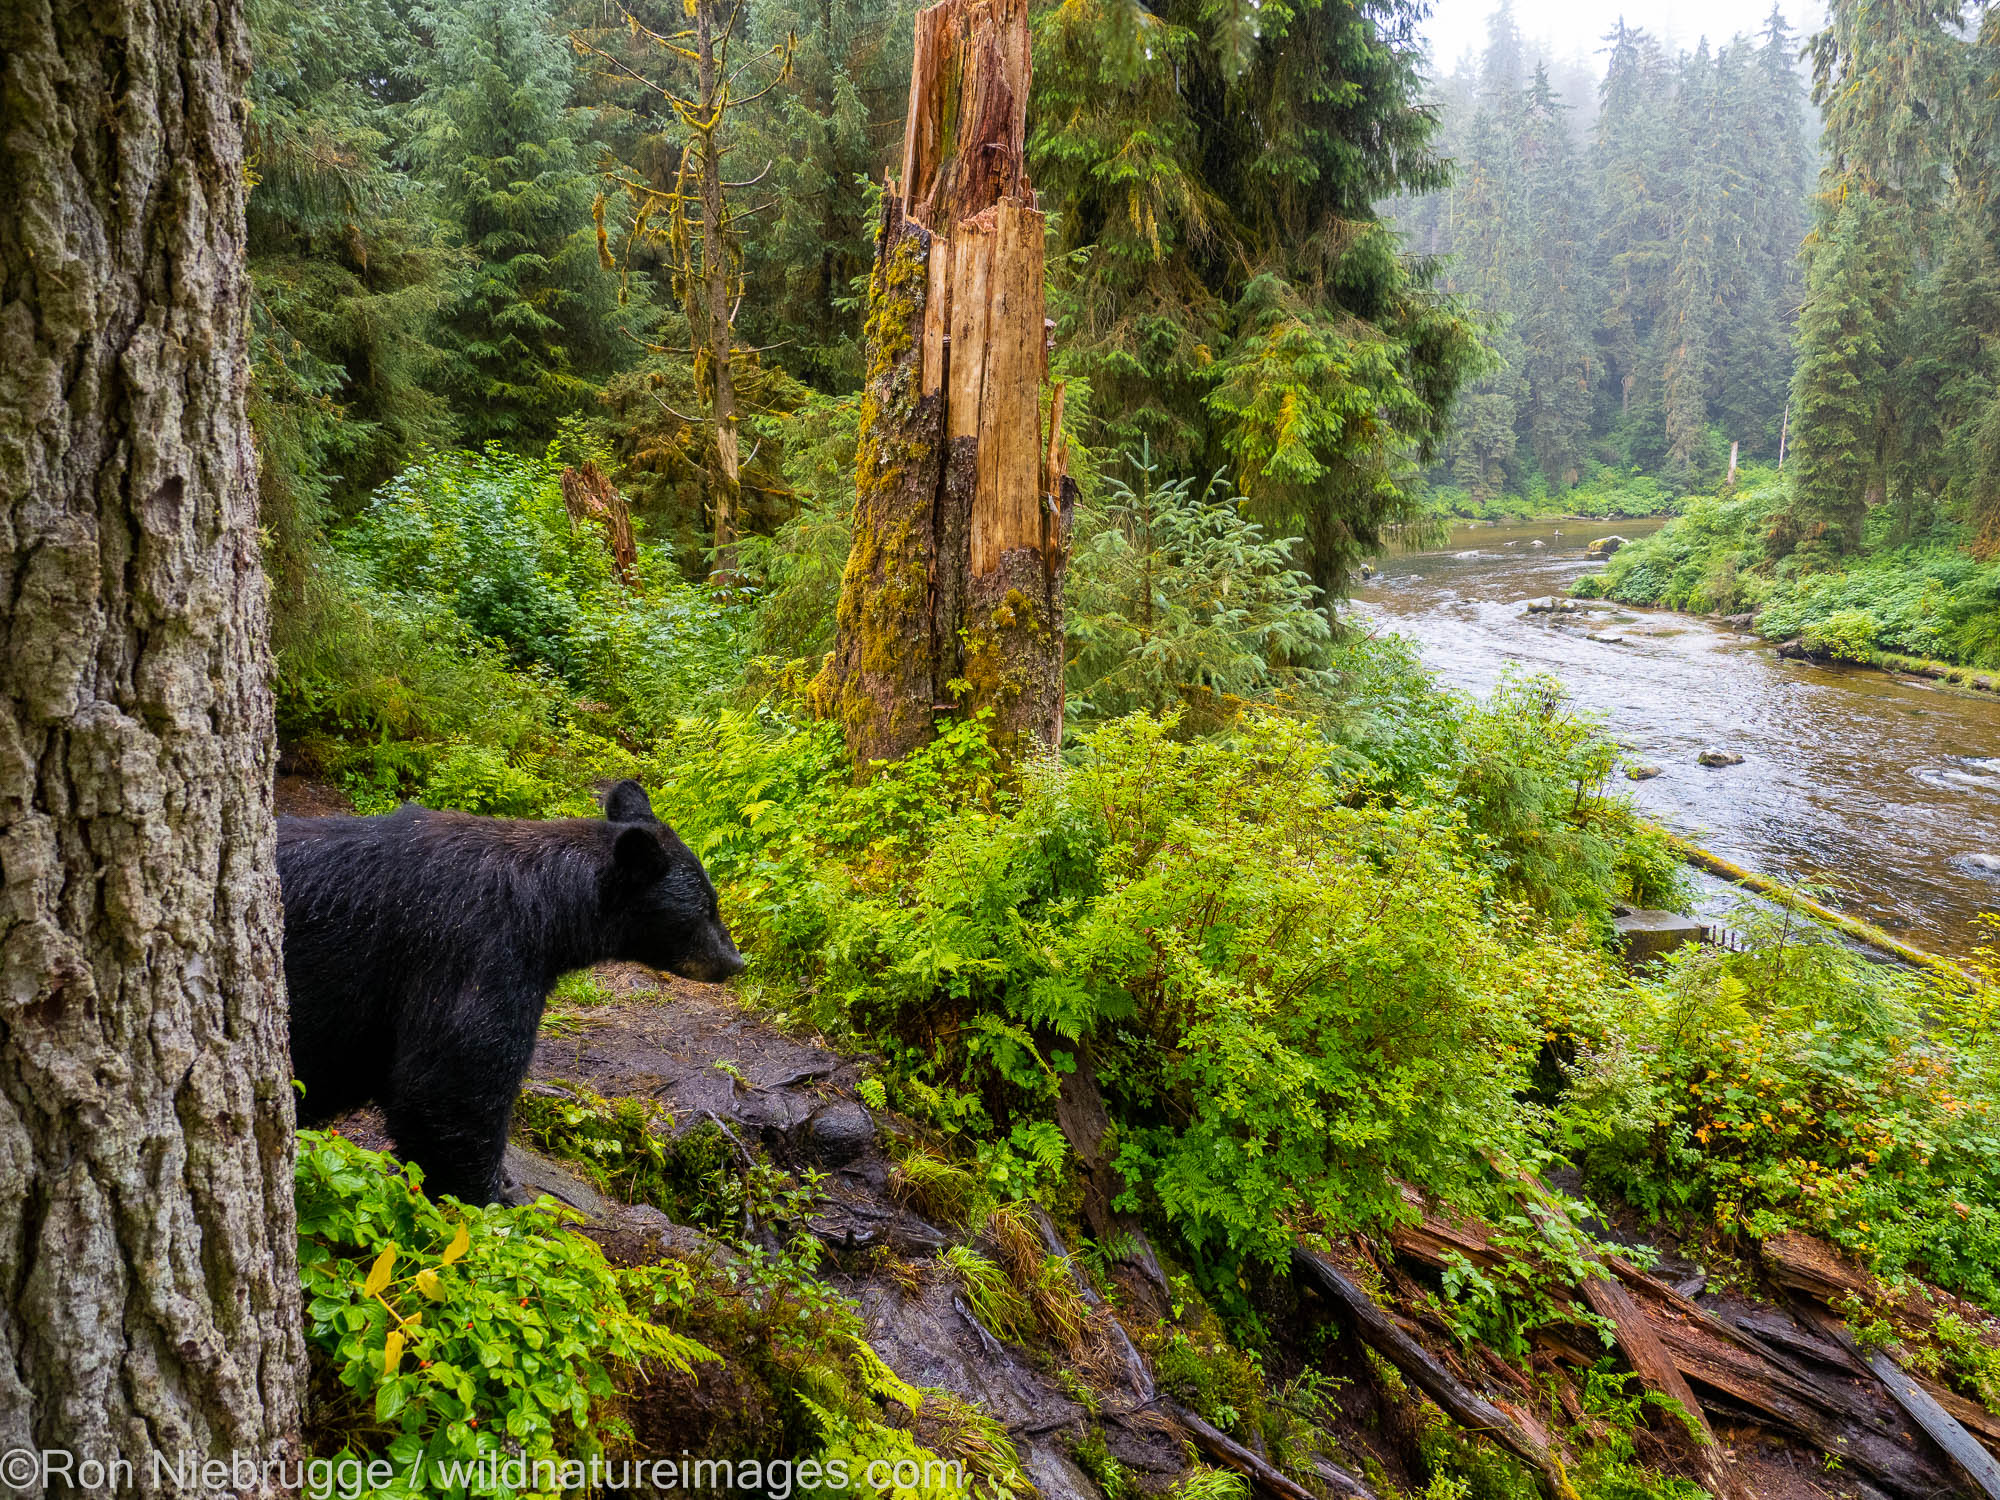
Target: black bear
(421, 946)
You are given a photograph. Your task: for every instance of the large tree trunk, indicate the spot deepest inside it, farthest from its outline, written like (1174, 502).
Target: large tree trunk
(952, 599)
(148, 1292)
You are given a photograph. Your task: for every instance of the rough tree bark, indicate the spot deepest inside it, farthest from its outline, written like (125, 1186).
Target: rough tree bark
(952, 599)
(148, 1288)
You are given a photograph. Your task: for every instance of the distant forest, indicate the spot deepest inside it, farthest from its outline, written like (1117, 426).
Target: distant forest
(1775, 242)
(1634, 246)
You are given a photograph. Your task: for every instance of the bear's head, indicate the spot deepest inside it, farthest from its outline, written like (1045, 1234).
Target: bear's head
(659, 898)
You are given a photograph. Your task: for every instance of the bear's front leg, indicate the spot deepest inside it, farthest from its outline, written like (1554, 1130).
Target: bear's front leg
(450, 1104)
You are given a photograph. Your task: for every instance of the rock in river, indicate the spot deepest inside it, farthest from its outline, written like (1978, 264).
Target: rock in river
(1719, 758)
(1987, 865)
(1641, 771)
(1604, 546)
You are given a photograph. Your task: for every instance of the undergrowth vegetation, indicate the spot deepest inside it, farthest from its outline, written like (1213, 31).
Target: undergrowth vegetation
(1323, 935)
(1925, 598)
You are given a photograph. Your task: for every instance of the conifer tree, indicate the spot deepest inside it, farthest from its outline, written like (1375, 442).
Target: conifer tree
(1241, 302)
(1630, 157)
(1701, 188)
(1558, 358)
(534, 327)
(1840, 433)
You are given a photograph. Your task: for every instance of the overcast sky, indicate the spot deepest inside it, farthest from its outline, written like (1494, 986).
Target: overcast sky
(1570, 27)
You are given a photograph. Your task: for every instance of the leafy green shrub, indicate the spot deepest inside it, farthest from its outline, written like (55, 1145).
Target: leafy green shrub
(1795, 1085)
(1705, 559)
(488, 536)
(1846, 635)
(1212, 917)
(447, 1334)
(1173, 592)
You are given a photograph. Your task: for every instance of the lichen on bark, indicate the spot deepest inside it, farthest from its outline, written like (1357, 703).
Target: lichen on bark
(148, 1285)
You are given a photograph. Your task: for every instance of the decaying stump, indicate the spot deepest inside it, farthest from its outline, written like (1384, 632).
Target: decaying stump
(588, 496)
(952, 598)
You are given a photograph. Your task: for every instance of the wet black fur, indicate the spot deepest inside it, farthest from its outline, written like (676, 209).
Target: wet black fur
(420, 948)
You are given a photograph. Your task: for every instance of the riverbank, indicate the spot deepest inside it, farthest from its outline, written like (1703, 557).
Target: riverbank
(1604, 497)
(1879, 792)
(1927, 608)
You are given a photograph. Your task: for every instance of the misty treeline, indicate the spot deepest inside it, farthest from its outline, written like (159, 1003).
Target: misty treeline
(1633, 242)
(1770, 242)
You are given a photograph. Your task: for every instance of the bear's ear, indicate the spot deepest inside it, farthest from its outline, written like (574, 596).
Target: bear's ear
(627, 803)
(637, 851)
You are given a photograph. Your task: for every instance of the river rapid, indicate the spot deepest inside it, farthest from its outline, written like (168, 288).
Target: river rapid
(1886, 789)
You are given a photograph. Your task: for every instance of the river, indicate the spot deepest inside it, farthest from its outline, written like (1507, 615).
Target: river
(1884, 789)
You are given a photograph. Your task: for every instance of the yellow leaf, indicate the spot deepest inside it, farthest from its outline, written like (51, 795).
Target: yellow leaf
(392, 1352)
(378, 1274)
(430, 1286)
(460, 1243)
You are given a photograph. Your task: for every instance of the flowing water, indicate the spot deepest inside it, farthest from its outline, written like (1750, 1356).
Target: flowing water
(1886, 789)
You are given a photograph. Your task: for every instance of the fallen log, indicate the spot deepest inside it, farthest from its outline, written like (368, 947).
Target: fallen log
(1231, 1454)
(1922, 1406)
(1766, 1383)
(1463, 1405)
(1642, 1349)
(1866, 933)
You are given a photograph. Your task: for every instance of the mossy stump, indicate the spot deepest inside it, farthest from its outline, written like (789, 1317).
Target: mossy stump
(952, 598)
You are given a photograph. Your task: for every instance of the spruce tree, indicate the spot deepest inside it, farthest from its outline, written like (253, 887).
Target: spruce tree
(1701, 186)
(534, 326)
(1557, 291)
(1242, 303)
(1839, 428)
(1630, 158)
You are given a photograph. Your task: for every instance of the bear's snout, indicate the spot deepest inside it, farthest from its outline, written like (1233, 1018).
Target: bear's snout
(713, 959)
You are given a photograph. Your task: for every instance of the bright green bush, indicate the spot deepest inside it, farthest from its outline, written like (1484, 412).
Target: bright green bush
(1846, 635)
(1703, 560)
(1294, 1002)
(487, 535)
(452, 1334)
(1796, 1085)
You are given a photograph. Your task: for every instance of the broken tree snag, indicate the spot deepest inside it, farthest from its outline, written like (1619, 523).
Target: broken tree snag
(965, 138)
(588, 496)
(960, 323)
(1013, 608)
(880, 682)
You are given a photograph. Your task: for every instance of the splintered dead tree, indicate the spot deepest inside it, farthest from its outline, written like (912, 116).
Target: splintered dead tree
(149, 1290)
(692, 219)
(952, 598)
